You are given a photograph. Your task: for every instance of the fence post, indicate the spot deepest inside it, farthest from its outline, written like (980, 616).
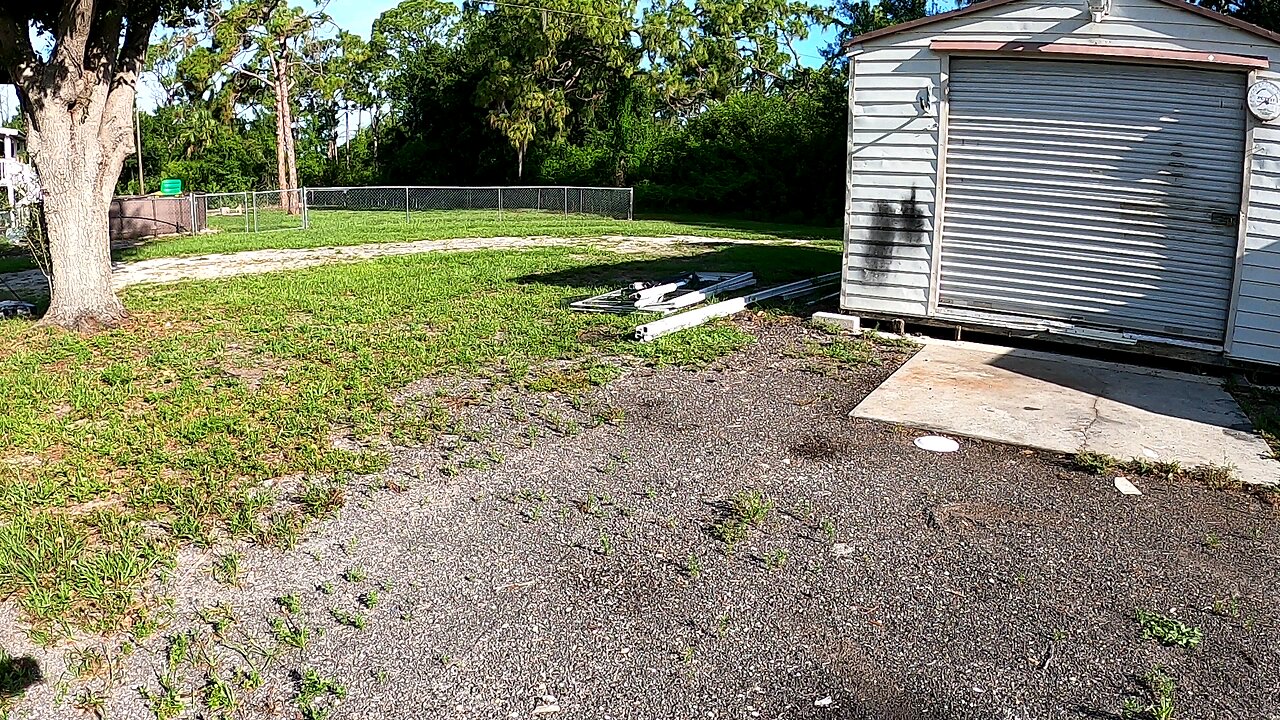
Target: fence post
(407, 217)
(631, 202)
(499, 203)
(245, 207)
(566, 201)
(306, 212)
(192, 199)
(255, 211)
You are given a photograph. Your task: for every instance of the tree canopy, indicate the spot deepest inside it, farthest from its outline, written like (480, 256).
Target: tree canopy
(680, 98)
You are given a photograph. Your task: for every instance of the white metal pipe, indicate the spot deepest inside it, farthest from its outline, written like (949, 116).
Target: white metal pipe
(681, 321)
(697, 296)
(646, 296)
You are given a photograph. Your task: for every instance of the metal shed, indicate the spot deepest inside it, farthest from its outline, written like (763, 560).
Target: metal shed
(1102, 171)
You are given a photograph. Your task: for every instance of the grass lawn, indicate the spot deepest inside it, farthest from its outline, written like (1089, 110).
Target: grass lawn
(340, 227)
(15, 262)
(117, 449)
(343, 227)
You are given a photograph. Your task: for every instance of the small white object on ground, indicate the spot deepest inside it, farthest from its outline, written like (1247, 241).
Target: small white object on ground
(547, 707)
(824, 702)
(841, 549)
(1126, 487)
(937, 443)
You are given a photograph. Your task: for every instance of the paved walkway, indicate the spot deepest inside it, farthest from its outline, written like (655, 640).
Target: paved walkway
(206, 267)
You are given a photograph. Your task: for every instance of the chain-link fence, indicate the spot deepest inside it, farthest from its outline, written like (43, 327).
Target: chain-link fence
(252, 211)
(464, 208)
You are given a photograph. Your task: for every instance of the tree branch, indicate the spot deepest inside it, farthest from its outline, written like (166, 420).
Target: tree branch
(72, 41)
(20, 63)
(115, 132)
(250, 73)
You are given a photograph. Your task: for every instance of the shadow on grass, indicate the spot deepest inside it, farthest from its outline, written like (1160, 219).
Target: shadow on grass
(772, 264)
(17, 674)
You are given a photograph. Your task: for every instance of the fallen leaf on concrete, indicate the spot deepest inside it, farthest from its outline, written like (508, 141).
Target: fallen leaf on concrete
(824, 702)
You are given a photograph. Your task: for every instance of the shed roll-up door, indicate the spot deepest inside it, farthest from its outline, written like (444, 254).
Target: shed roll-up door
(1105, 195)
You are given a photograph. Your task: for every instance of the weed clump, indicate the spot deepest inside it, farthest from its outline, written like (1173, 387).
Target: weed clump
(1168, 631)
(747, 509)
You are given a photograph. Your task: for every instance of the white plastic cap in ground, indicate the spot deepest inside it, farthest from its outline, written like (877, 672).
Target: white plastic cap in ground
(937, 443)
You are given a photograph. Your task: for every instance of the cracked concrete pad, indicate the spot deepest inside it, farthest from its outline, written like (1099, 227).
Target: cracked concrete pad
(1067, 404)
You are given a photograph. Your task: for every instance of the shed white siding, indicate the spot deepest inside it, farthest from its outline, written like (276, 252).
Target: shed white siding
(1257, 327)
(895, 173)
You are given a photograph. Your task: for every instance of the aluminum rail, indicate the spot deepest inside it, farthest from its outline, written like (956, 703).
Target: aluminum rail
(694, 297)
(682, 321)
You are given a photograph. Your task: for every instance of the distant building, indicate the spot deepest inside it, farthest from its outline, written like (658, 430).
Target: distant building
(12, 169)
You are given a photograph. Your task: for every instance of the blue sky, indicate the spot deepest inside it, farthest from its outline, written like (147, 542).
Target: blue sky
(357, 16)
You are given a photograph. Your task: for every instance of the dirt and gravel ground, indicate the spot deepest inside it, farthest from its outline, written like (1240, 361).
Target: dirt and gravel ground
(579, 569)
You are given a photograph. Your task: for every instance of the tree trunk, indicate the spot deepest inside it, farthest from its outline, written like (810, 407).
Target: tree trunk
(282, 141)
(77, 212)
(77, 100)
(292, 205)
(78, 165)
(286, 152)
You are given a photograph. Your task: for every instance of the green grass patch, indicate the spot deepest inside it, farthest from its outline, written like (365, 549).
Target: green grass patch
(1160, 700)
(344, 227)
(14, 262)
(743, 511)
(1214, 477)
(118, 448)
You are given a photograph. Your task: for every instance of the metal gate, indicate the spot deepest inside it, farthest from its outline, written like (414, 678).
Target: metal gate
(1105, 195)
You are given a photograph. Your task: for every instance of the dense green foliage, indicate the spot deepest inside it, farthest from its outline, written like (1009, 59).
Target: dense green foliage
(701, 105)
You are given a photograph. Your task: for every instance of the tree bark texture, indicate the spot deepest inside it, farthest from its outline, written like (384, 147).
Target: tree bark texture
(78, 105)
(286, 149)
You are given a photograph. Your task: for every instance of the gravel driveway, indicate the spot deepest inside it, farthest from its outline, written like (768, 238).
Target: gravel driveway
(604, 572)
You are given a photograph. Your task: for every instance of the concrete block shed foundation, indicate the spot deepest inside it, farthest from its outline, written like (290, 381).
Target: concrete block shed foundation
(1068, 404)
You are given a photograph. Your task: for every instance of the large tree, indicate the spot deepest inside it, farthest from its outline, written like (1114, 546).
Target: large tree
(541, 63)
(703, 51)
(399, 36)
(75, 65)
(1265, 13)
(855, 17)
(280, 46)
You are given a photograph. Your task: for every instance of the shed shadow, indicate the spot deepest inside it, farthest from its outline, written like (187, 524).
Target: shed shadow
(1156, 391)
(772, 265)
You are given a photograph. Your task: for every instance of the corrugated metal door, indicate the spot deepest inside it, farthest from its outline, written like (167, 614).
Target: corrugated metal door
(1101, 194)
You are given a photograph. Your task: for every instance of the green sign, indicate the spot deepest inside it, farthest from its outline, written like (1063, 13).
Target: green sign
(171, 186)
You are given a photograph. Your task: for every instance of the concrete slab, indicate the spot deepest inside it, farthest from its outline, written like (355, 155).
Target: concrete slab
(1066, 404)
